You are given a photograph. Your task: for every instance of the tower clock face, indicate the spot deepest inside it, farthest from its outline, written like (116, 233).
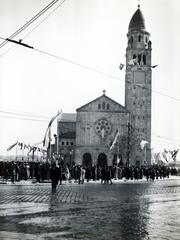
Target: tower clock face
(103, 127)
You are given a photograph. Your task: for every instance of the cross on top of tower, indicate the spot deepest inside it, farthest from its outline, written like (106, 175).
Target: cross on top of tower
(137, 21)
(104, 92)
(139, 3)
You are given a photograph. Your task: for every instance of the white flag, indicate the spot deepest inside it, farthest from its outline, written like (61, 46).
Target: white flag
(115, 139)
(47, 137)
(131, 62)
(121, 66)
(143, 143)
(118, 159)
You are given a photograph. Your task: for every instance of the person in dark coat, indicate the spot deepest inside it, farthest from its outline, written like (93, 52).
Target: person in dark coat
(60, 174)
(54, 176)
(37, 172)
(88, 174)
(78, 174)
(93, 171)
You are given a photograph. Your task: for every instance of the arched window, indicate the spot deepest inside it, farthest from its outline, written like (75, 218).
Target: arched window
(99, 106)
(139, 59)
(146, 39)
(132, 39)
(139, 38)
(108, 106)
(103, 105)
(144, 59)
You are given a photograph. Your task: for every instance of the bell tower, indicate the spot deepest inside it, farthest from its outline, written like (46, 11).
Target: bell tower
(138, 89)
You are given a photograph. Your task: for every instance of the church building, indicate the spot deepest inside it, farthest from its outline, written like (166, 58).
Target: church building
(103, 132)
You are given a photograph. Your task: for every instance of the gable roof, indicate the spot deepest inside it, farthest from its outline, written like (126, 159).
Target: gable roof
(117, 106)
(67, 117)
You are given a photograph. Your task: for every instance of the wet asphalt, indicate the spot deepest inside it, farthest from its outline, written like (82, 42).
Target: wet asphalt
(124, 210)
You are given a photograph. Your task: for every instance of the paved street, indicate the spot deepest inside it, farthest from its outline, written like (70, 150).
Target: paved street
(124, 210)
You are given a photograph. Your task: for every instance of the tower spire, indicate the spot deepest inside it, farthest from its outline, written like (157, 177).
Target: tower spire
(137, 21)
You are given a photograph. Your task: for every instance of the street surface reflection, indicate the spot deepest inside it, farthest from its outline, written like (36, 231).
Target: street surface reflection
(124, 211)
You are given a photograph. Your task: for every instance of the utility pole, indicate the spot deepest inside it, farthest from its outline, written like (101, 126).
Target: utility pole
(128, 144)
(50, 147)
(57, 140)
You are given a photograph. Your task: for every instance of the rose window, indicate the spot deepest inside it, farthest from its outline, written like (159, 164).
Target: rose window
(103, 128)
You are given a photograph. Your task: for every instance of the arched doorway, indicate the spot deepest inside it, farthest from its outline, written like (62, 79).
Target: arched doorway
(87, 160)
(102, 160)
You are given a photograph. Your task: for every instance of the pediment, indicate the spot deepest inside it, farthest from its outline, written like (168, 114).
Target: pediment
(102, 104)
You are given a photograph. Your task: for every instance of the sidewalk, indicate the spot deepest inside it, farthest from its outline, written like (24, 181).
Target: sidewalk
(22, 182)
(117, 181)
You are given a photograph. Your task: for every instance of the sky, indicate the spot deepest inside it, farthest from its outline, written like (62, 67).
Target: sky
(34, 86)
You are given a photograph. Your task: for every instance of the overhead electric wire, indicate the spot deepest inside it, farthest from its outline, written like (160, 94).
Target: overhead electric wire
(165, 141)
(100, 72)
(64, 59)
(32, 28)
(94, 70)
(30, 22)
(28, 119)
(168, 142)
(158, 135)
(23, 114)
(77, 64)
(167, 138)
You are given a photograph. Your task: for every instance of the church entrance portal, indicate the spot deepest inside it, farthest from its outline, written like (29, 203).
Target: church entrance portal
(102, 160)
(87, 160)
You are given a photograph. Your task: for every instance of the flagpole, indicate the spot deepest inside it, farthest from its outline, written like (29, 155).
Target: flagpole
(22, 151)
(128, 144)
(117, 153)
(50, 149)
(57, 139)
(48, 135)
(16, 151)
(37, 154)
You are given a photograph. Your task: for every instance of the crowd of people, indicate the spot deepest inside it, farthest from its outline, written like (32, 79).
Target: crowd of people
(59, 172)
